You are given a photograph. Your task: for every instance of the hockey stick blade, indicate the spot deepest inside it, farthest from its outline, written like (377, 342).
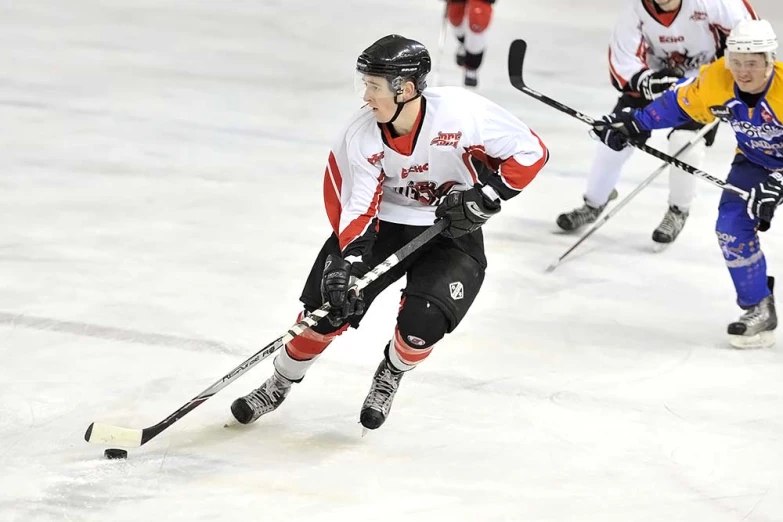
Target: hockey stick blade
(516, 62)
(102, 433)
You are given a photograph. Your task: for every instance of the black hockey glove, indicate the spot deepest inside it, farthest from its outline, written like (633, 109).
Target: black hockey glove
(467, 210)
(652, 84)
(617, 128)
(765, 198)
(338, 278)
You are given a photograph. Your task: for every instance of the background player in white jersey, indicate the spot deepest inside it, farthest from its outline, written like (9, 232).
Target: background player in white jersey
(654, 43)
(407, 157)
(470, 19)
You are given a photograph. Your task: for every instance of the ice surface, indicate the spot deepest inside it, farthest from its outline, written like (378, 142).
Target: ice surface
(160, 194)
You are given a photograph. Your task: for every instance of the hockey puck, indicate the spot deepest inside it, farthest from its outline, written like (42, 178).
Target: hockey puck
(113, 453)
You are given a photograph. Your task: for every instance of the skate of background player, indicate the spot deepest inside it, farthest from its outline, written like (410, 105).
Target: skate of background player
(158, 184)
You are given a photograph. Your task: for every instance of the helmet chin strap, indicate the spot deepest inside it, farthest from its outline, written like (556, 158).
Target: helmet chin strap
(400, 106)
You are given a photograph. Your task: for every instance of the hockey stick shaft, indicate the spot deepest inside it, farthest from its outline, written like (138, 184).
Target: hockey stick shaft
(441, 44)
(100, 433)
(516, 59)
(699, 136)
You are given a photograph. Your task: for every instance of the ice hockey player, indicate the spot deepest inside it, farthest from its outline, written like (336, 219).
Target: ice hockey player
(470, 19)
(409, 156)
(655, 43)
(745, 88)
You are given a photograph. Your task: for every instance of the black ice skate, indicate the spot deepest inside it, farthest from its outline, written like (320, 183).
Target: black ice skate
(756, 327)
(379, 401)
(261, 401)
(670, 226)
(471, 78)
(583, 215)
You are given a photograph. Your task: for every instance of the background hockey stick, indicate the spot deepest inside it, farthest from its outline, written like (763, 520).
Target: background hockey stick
(700, 135)
(441, 45)
(100, 433)
(516, 60)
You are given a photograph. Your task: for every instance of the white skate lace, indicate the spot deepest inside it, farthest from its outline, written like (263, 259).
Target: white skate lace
(672, 223)
(755, 315)
(584, 214)
(382, 392)
(268, 396)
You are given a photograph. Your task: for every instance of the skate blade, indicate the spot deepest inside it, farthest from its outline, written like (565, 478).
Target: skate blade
(660, 247)
(232, 423)
(753, 342)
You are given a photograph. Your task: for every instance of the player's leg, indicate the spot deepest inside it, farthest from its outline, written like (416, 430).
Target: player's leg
(293, 361)
(478, 15)
(455, 12)
(682, 186)
(442, 284)
(739, 241)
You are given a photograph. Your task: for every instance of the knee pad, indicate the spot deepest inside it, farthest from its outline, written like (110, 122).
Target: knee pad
(479, 15)
(455, 12)
(421, 323)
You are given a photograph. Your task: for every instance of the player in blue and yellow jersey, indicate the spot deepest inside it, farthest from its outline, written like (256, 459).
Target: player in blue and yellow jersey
(745, 89)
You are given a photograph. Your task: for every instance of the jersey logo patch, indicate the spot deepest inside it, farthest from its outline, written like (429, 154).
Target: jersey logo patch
(446, 139)
(375, 158)
(414, 169)
(426, 192)
(698, 16)
(456, 290)
(721, 112)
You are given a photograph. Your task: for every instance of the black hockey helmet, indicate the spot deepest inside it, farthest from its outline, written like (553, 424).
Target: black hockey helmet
(397, 59)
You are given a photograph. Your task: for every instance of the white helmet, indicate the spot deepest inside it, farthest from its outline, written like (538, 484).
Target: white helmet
(752, 36)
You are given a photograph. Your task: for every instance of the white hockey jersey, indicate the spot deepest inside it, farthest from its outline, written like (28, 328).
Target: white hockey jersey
(459, 139)
(682, 40)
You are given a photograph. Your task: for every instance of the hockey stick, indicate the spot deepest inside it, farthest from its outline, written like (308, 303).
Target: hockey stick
(100, 433)
(516, 60)
(700, 135)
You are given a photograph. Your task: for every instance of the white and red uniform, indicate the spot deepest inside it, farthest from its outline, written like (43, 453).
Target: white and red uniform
(684, 39)
(372, 175)
(681, 40)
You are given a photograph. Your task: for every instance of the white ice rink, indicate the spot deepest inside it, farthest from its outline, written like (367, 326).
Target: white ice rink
(161, 165)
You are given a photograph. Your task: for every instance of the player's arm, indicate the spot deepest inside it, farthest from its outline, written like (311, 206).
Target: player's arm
(511, 156)
(676, 107)
(628, 66)
(352, 196)
(726, 14)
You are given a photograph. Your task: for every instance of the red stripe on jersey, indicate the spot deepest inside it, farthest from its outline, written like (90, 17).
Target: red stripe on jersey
(519, 176)
(357, 227)
(614, 74)
(333, 185)
(750, 9)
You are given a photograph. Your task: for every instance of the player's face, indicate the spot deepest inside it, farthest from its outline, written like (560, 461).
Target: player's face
(750, 71)
(668, 5)
(379, 96)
